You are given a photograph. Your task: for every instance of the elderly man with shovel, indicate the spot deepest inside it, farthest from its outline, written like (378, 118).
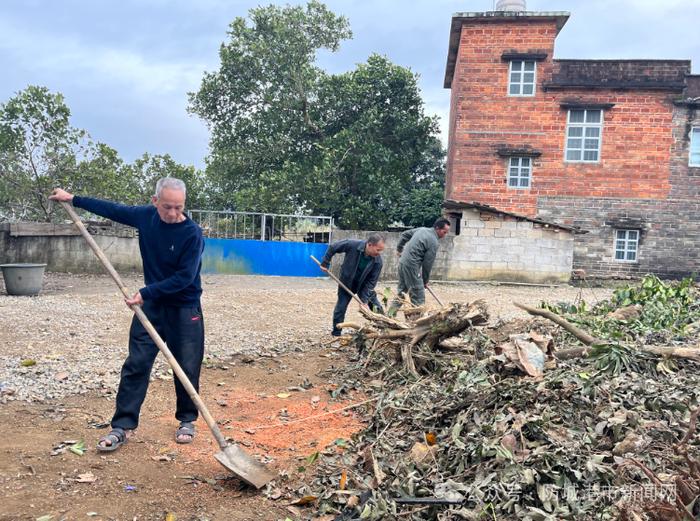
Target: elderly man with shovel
(166, 307)
(171, 247)
(359, 273)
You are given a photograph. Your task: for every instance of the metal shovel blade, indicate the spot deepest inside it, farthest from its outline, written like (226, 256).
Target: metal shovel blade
(244, 466)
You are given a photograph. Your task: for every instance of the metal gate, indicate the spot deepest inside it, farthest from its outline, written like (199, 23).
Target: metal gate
(263, 243)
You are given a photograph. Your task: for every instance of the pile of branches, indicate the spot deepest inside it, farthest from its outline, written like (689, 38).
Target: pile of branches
(422, 330)
(608, 434)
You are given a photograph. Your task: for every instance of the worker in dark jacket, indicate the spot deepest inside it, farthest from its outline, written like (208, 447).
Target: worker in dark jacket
(171, 247)
(360, 272)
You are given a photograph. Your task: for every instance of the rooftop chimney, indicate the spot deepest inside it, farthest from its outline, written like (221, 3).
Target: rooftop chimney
(511, 5)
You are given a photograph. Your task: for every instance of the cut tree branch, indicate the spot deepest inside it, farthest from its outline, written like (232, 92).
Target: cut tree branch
(691, 353)
(574, 330)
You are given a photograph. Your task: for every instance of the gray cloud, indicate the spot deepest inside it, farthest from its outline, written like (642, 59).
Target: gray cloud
(126, 67)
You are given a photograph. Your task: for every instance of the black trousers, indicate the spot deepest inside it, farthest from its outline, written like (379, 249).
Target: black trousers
(341, 306)
(182, 329)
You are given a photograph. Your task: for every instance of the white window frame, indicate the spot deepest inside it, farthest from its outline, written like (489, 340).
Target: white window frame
(694, 141)
(584, 126)
(521, 83)
(522, 172)
(629, 245)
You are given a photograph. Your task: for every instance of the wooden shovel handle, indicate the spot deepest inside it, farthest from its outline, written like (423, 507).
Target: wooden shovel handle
(354, 295)
(149, 328)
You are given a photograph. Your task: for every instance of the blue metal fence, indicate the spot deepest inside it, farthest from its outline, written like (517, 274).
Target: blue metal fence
(249, 243)
(249, 257)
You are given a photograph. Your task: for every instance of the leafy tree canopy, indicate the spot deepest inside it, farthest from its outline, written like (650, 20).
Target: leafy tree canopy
(289, 137)
(40, 150)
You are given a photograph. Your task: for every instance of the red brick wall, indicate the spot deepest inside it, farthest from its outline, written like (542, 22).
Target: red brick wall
(636, 137)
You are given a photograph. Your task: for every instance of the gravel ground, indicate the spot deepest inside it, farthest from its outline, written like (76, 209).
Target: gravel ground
(76, 331)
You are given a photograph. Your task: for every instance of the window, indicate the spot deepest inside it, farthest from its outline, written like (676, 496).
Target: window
(519, 172)
(694, 159)
(521, 78)
(626, 244)
(583, 133)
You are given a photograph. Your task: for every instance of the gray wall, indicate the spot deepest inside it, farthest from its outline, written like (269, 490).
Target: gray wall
(497, 247)
(489, 247)
(70, 253)
(669, 243)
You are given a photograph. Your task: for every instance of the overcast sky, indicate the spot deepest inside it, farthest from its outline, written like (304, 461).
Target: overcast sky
(126, 66)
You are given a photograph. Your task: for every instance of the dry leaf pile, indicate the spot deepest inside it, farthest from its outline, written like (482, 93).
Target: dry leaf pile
(493, 426)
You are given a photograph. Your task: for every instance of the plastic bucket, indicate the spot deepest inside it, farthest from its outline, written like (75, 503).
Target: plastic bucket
(23, 279)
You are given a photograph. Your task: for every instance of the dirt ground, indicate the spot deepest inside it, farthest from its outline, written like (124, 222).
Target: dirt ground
(266, 380)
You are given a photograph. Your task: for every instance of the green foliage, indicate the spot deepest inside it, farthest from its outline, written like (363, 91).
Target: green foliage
(613, 358)
(288, 137)
(664, 312)
(422, 203)
(562, 308)
(420, 206)
(664, 306)
(146, 170)
(259, 105)
(100, 173)
(40, 150)
(653, 290)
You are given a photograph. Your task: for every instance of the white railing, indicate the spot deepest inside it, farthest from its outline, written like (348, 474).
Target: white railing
(264, 226)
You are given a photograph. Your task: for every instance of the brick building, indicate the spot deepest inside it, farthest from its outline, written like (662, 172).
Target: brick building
(608, 146)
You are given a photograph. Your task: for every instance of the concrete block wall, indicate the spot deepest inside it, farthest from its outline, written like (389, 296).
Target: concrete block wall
(488, 247)
(497, 247)
(69, 253)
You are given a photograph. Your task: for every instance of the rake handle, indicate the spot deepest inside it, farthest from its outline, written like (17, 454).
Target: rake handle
(149, 328)
(354, 295)
(434, 295)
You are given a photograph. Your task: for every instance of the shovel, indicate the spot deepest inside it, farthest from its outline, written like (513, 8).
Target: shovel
(235, 459)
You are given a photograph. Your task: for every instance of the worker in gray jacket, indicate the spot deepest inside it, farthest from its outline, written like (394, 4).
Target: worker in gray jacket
(418, 248)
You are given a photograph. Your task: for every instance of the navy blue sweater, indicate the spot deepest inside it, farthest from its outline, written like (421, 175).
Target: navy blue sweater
(171, 253)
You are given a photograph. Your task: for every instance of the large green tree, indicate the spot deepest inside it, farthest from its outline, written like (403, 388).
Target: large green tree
(422, 203)
(101, 172)
(288, 137)
(39, 150)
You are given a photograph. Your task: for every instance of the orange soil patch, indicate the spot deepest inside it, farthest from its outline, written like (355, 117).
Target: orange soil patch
(258, 423)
